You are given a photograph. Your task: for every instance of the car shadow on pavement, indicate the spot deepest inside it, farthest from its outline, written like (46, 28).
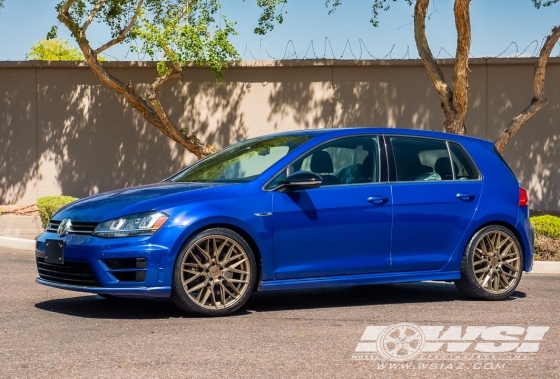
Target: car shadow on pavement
(400, 293)
(94, 306)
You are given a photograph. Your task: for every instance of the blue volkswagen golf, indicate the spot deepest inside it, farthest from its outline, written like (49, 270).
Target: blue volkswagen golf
(304, 209)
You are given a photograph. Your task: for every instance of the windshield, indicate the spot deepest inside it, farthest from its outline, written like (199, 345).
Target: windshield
(243, 161)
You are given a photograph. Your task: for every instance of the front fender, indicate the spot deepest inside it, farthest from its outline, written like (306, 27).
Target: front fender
(240, 215)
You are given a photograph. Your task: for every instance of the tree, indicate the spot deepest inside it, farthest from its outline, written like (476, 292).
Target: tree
(454, 98)
(54, 50)
(172, 31)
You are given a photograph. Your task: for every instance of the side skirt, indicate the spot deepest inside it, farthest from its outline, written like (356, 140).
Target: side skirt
(353, 280)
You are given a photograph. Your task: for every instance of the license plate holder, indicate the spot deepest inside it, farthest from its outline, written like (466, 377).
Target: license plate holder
(54, 251)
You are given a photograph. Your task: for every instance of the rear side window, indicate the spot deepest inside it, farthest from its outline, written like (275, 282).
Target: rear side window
(421, 159)
(463, 165)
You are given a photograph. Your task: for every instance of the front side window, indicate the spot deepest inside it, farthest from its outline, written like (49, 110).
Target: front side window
(243, 161)
(344, 161)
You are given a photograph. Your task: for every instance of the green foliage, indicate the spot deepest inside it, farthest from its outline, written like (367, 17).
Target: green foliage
(271, 14)
(544, 3)
(546, 225)
(175, 31)
(48, 205)
(179, 35)
(54, 50)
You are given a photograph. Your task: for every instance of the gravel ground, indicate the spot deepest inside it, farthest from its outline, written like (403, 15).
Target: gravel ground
(50, 333)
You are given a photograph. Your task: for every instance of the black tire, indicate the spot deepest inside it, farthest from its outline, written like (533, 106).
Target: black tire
(492, 264)
(214, 274)
(108, 297)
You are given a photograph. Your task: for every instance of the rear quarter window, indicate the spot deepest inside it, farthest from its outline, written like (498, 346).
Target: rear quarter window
(463, 165)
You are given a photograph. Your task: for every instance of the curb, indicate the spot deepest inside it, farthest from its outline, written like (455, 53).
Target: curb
(539, 267)
(546, 267)
(17, 243)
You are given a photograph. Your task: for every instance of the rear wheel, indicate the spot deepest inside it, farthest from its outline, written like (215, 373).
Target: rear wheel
(215, 273)
(492, 264)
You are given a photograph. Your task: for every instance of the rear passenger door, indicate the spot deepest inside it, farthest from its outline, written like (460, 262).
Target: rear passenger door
(436, 189)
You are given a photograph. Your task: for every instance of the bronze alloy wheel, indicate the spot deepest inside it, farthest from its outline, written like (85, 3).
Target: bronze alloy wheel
(492, 265)
(496, 262)
(215, 273)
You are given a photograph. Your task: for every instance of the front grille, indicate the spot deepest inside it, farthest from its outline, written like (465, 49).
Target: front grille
(77, 227)
(75, 273)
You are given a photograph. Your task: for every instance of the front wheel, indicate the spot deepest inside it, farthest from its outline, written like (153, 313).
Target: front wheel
(492, 264)
(214, 274)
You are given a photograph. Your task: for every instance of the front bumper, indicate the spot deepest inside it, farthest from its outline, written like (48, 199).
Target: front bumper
(108, 265)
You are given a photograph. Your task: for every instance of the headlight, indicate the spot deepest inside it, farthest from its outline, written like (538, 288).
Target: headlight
(139, 224)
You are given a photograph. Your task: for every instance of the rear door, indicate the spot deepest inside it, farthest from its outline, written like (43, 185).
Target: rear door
(436, 190)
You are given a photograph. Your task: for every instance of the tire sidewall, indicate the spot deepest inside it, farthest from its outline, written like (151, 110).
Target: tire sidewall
(180, 297)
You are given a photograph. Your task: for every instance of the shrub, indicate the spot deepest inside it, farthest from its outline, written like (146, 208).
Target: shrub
(546, 225)
(547, 237)
(48, 205)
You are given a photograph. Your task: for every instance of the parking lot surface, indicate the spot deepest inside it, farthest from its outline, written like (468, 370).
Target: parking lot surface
(50, 333)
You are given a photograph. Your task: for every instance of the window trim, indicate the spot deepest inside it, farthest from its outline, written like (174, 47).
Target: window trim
(382, 162)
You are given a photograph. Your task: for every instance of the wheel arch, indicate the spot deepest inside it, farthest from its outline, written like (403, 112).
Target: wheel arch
(506, 225)
(243, 233)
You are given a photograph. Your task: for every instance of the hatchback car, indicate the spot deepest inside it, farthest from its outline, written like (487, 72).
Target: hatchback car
(303, 209)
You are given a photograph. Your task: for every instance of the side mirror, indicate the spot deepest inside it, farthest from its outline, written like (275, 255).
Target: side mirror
(299, 181)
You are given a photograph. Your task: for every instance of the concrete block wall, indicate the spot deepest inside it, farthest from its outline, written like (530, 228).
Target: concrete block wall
(63, 132)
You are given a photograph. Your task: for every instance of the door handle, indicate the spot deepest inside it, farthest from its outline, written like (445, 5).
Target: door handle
(378, 199)
(465, 196)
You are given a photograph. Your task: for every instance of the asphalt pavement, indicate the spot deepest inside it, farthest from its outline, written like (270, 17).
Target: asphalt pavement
(51, 333)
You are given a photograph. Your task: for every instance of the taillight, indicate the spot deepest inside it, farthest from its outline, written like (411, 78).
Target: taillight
(523, 198)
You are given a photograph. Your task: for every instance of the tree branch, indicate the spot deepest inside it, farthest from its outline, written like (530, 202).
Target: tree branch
(434, 71)
(92, 14)
(122, 34)
(460, 78)
(539, 100)
(67, 6)
(155, 115)
(191, 142)
(183, 12)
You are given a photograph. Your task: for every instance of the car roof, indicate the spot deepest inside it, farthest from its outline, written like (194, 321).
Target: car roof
(336, 132)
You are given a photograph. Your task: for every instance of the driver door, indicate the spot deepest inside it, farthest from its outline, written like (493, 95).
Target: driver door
(342, 227)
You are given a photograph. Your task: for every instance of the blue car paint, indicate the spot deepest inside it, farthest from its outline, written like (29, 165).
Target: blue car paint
(244, 207)
(428, 222)
(329, 231)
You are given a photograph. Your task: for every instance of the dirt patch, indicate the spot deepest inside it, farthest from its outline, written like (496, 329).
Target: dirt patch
(20, 210)
(547, 249)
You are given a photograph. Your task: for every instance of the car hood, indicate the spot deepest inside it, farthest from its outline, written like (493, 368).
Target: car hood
(159, 196)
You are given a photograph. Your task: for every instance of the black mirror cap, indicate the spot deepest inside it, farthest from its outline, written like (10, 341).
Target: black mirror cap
(299, 181)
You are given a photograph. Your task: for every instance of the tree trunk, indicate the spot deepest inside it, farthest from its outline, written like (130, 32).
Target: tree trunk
(454, 102)
(539, 100)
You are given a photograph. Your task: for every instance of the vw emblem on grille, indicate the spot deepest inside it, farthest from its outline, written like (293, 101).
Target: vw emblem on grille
(64, 227)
